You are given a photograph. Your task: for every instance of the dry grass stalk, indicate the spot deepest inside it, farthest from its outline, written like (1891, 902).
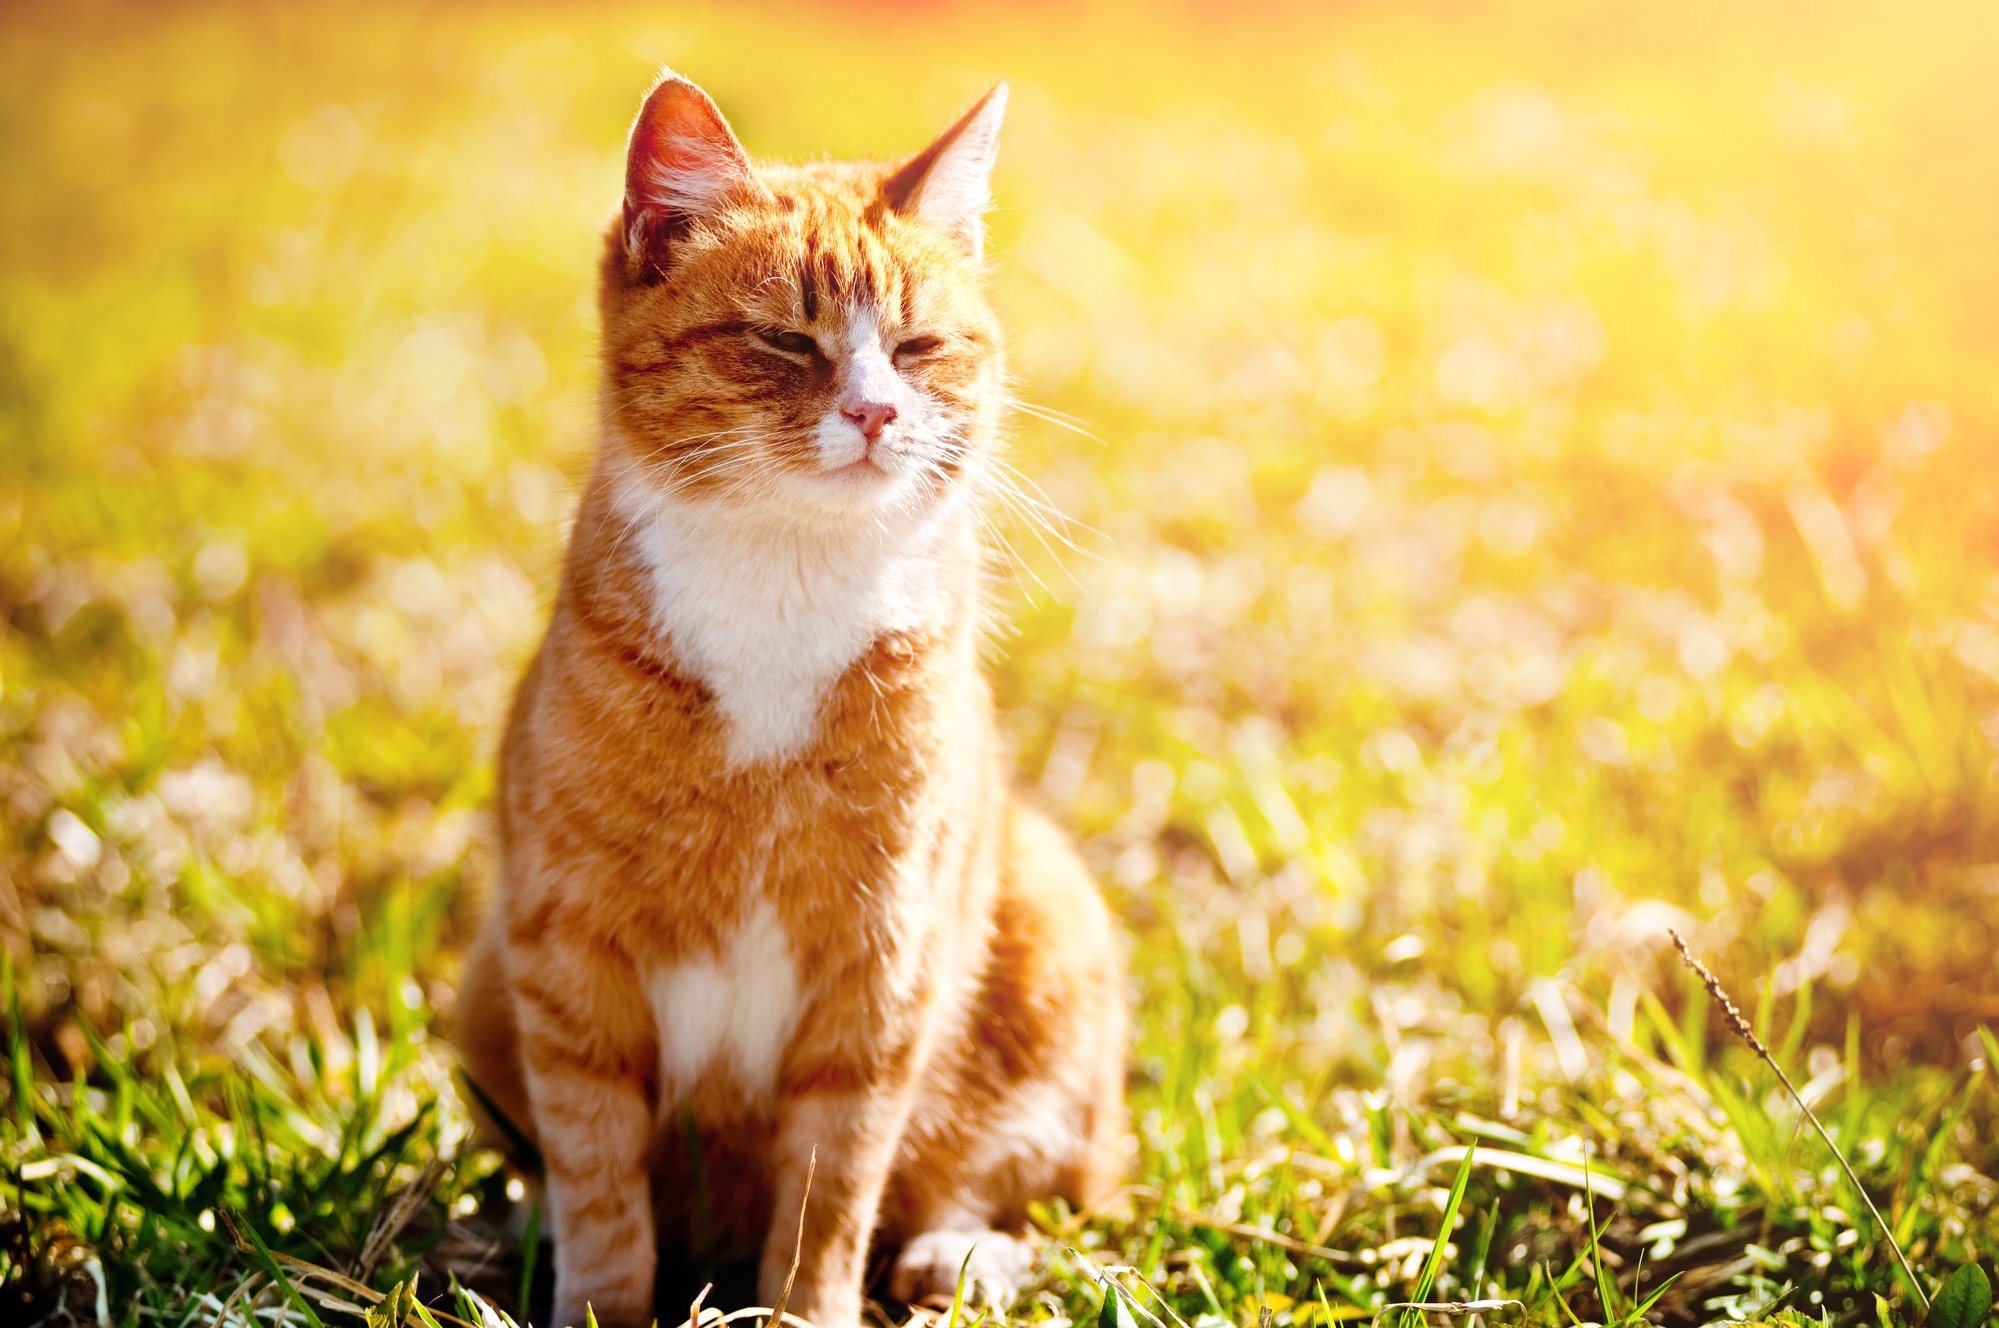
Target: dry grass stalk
(798, 1250)
(1741, 1028)
(308, 1272)
(390, 1222)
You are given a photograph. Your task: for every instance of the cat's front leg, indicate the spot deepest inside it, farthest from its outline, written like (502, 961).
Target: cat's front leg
(586, 1052)
(846, 1140)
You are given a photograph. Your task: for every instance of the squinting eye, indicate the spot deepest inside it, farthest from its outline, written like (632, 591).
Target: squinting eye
(917, 346)
(791, 343)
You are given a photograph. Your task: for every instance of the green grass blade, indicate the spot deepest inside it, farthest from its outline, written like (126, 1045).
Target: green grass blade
(1658, 1292)
(246, 1232)
(530, 1254)
(1435, 1263)
(20, 1058)
(522, 1147)
(958, 1290)
(1300, 1122)
(1606, 1285)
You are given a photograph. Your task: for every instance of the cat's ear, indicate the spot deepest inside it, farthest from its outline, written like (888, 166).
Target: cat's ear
(681, 165)
(949, 183)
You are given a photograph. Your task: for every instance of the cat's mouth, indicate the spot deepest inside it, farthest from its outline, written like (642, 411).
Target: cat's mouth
(882, 476)
(871, 467)
(866, 481)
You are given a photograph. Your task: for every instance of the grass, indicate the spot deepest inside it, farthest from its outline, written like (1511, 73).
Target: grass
(1538, 491)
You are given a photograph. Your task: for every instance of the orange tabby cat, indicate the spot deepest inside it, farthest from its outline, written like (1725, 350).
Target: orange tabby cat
(763, 869)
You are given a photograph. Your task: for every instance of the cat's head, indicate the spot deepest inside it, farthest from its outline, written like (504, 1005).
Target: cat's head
(808, 342)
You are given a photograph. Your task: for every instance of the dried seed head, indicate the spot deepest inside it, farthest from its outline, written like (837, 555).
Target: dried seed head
(1729, 1011)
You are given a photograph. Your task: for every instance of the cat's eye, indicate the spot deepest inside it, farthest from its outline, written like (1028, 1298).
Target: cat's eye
(917, 347)
(791, 343)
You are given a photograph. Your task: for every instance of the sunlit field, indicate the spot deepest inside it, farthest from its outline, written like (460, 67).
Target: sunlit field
(1520, 478)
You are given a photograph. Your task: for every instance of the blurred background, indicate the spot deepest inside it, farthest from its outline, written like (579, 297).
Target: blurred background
(1526, 479)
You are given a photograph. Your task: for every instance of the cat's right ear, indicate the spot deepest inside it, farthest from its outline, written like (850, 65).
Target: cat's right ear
(682, 164)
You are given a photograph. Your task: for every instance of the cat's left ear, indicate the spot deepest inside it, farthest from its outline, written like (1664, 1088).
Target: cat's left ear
(949, 184)
(683, 163)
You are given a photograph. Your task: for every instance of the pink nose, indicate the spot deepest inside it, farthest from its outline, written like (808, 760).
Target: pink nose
(871, 416)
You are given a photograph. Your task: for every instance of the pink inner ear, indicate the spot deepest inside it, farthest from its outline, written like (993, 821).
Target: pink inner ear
(682, 157)
(948, 183)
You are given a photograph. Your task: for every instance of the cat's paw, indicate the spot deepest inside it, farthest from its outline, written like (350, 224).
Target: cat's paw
(926, 1272)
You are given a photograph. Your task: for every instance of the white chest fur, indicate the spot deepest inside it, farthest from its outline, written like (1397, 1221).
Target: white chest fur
(768, 615)
(737, 1008)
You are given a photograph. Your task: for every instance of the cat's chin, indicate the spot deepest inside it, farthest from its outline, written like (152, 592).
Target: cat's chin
(861, 489)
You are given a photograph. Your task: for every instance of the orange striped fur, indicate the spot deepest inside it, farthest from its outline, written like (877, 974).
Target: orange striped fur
(762, 866)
